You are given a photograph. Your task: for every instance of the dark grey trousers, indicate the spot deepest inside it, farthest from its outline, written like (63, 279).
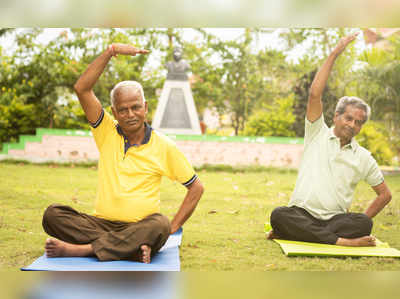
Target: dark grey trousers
(294, 223)
(111, 240)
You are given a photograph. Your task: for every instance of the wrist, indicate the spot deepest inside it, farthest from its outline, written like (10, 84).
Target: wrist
(368, 214)
(111, 50)
(174, 228)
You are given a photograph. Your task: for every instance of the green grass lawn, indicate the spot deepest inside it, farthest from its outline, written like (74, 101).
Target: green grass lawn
(224, 233)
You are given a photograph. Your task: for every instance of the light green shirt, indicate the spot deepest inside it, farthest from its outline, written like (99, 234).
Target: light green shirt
(328, 174)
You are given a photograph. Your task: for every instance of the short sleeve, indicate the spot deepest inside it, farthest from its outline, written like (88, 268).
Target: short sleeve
(178, 167)
(373, 175)
(313, 128)
(102, 127)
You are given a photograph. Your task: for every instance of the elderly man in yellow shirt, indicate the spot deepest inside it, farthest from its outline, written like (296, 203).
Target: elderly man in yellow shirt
(332, 165)
(127, 223)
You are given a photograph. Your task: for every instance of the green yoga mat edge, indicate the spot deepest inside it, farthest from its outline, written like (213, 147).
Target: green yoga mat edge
(313, 249)
(382, 249)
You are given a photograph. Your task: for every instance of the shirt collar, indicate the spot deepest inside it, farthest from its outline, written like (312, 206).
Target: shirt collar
(353, 143)
(147, 133)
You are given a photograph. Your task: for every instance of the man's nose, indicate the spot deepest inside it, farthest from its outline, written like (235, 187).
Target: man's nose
(130, 112)
(352, 123)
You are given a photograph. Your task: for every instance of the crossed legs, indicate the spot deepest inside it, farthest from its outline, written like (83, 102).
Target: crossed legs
(348, 229)
(79, 234)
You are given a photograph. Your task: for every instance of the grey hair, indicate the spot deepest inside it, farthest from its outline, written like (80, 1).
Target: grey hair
(353, 101)
(136, 85)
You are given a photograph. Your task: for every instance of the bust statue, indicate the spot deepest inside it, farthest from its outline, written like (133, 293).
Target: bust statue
(177, 69)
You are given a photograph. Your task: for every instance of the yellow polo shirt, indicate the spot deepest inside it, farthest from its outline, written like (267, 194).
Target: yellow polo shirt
(129, 182)
(329, 173)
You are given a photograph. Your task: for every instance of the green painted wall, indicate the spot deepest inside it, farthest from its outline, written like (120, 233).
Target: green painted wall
(40, 132)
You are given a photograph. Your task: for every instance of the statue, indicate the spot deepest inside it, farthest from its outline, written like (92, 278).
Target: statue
(177, 69)
(176, 112)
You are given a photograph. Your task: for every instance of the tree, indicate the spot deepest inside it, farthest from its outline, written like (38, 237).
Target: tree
(4, 31)
(380, 83)
(42, 76)
(242, 78)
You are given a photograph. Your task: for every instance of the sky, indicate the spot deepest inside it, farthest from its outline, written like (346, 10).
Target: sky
(267, 40)
(194, 13)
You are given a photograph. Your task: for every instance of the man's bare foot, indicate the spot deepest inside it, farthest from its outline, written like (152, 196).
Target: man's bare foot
(357, 242)
(58, 248)
(145, 254)
(271, 235)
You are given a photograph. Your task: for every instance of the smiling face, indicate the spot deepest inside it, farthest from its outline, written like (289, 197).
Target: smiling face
(129, 109)
(349, 124)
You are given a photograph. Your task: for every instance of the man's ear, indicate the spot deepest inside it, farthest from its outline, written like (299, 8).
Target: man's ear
(114, 112)
(146, 108)
(335, 117)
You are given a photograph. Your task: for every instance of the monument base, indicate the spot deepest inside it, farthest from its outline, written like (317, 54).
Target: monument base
(176, 112)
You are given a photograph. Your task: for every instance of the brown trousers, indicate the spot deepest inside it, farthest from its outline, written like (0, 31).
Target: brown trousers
(111, 240)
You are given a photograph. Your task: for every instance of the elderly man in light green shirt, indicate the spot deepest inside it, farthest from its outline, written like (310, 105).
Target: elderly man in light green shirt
(332, 165)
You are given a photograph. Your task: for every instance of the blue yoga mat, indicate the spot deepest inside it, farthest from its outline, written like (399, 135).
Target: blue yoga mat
(105, 285)
(165, 260)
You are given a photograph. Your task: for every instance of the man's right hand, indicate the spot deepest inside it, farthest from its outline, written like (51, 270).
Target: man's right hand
(314, 106)
(125, 49)
(84, 86)
(344, 42)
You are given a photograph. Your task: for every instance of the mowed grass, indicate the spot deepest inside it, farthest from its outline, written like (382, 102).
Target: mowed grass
(224, 234)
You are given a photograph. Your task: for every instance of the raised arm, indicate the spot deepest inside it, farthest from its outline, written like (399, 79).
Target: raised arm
(314, 106)
(84, 86)
(193, 195)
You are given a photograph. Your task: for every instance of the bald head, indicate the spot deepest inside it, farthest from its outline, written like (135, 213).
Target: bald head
(133, 88)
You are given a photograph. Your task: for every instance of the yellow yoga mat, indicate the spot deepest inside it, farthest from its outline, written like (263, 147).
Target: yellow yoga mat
(297, 248)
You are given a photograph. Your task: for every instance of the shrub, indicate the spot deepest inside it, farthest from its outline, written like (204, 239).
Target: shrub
(374, 137)
(17, 118)
(223, 131)
(273, 120)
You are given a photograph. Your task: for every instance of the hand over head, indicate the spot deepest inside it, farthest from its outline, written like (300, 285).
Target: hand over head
(344, 41)
(125, 49)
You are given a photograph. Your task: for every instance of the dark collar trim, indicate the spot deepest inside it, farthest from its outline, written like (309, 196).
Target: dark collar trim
(146, 139)
(147, 133)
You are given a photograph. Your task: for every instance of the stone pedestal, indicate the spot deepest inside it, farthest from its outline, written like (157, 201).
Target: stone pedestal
(176, 112)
